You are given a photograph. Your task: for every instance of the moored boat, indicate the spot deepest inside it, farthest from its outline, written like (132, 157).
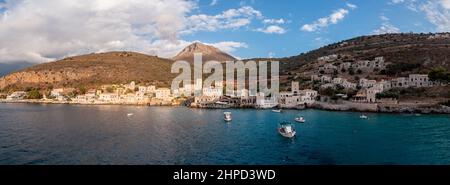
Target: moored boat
(287, 130)
(227, 116)
(363, 117)
(300, 119)
(277, 110)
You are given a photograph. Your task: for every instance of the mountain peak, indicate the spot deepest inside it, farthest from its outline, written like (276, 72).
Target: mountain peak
(208, 52)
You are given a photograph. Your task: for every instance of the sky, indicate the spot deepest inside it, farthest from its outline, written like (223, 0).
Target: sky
(47, 30)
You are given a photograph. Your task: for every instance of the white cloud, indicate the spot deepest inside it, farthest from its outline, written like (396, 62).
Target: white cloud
(273, 29)
(229, 19)
(214, 2)
(410, 4)
(334, 18)
(397, 1)
(229, 46)
(41, 31)
(351, 6)
(384, 18)
(386, 27)
(274, 21)
(438, 14)
(445, 4)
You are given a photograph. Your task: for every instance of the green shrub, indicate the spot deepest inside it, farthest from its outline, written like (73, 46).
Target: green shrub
(447, 103)
(399, 67)
(34, 94)
(439, 74)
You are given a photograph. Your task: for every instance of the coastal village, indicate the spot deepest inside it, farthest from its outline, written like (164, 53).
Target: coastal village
(368, 96)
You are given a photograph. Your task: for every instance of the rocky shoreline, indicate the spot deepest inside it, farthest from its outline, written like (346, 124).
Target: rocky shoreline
(342, 106)
(383, 108)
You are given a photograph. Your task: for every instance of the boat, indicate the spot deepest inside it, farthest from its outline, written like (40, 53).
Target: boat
(363, 117)
(300, 119)
(227, 116)
(277, 110)
(130, 114)
(287, 130)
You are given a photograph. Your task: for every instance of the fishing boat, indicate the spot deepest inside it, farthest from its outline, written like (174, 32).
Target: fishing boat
(227, 116)
(277, 110)
(287, 130)
(300, 119)
(363, 117)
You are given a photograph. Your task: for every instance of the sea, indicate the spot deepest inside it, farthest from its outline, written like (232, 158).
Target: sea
(35, 134)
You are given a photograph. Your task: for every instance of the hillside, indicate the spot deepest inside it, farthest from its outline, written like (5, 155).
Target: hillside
(208, 53)
(404, 54)
(92, 70)
(424, 50)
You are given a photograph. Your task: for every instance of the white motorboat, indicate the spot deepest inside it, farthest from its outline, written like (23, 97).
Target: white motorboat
(130, 114)
(227, 116)
(300, 119)
(277, 110)
(363, 117)
(287, 130)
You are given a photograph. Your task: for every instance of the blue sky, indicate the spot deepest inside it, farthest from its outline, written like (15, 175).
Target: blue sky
(41, 31)
(363, 20)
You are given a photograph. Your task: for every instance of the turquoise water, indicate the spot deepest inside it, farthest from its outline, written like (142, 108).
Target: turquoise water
(76, 134)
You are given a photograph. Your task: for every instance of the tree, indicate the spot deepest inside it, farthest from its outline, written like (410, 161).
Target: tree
(439, 74)
(109, 89)
(82, 90)
(34, 94)
(351, 71)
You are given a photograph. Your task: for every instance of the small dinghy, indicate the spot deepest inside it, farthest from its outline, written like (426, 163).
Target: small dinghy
(277, 110)
(227, 116)
(300, 119)
(287, 130)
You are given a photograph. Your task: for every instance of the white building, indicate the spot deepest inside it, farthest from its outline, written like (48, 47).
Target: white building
(328, 68)
(345, 65)
(147, 89)
(365, 83)
(386, 85)
(349, 85)
(419, 80)
(328, 58)
(325, 79)
(371, 94)
(130, 86)
(163, 93)
(339, 81)
(296, 97)
(295, 88)
(263, 102)
(212, 91)
(18, 95)
(58, 94)
(400, 82)
(309, 92)
(109, 97)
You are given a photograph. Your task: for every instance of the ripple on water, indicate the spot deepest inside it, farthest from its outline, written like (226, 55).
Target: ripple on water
(71, 134)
